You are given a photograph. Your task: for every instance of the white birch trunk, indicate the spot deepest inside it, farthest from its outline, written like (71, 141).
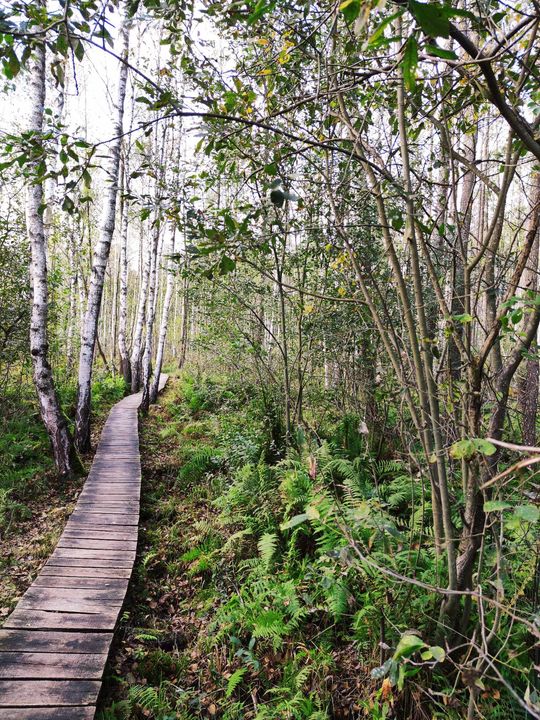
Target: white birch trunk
(139, 324)
(150, 317)
(99, 263)
(122, 322)
(164, 317)
(49, 405)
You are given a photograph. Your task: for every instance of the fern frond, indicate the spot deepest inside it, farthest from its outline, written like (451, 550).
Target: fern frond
(234, 681)
(267, 547)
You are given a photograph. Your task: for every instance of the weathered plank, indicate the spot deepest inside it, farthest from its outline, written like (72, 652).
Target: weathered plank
(49, 620)
(55, 666)
(96, 544)
(50, 713)
(86, 572)
(85, 595)
(60, 581)
(39, 693)
(88, 554)
(59, 642)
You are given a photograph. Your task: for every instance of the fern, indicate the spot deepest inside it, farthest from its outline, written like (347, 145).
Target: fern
(267, 547)
(151, 699)
(197, 464)
(234, 681)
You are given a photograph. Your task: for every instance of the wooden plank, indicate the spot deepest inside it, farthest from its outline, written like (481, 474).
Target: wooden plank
(47, 620)
(96, 544)
(104, 503)
(86, 572)
(98, 509)
(90, 563)
(104, 554)
(70, 602)
(58, 642)
(118, 535)
(51, 666)
(85, 595)
(50, 713)
(85, 518)
(83, 583)
(39, 693)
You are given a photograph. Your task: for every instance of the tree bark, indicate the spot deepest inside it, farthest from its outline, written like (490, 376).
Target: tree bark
(150, 318)
(528, 387)
(125, 367)
(99, 263)
(164, 318)
(139, 323)
(51, 412)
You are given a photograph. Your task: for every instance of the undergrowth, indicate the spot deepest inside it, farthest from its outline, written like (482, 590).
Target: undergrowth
(258, 589)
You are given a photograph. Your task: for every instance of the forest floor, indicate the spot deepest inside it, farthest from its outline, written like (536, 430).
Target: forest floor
(167, 661)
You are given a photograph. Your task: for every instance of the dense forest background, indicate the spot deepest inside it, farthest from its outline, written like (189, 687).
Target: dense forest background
(323, 220)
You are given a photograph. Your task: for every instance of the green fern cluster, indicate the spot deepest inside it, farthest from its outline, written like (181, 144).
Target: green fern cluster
(197, 461)
(266, 608)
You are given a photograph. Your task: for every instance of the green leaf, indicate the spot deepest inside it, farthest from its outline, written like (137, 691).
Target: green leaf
(484, 447)
(226, 265)
(441, 52)
(496, 506)
(527, 513)
(78, 49)
(235, 680)
(410, 63)
(467, 448)
(350, 9)
(294, 521)
(68, 205)
(408, 645)
(261, 8)
(437, 652)
(432, 18)
(464, 318)
(377, 36)
(462, 450)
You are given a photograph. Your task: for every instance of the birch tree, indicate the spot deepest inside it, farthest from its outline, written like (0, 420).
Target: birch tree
(164, 316)
(100, 259)
(150, 317)
(51, 412)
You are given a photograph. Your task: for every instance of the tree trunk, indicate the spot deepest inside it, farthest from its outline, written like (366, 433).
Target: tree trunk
(528, 388)
(139, 324)
(164, 319)
(125, 367)
(51, 412)
(150, 317)
(99, 263)
(184, 328)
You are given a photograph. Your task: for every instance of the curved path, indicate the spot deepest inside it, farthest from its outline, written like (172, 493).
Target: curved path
(55, 644)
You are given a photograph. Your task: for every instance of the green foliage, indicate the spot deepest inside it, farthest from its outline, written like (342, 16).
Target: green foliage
(196, 463)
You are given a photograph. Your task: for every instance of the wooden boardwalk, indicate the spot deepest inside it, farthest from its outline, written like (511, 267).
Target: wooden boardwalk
(55, 643)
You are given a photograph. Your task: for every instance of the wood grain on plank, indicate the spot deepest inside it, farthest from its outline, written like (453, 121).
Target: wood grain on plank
(39, 693)
(60, 642)
(50, 713)
(51, 666)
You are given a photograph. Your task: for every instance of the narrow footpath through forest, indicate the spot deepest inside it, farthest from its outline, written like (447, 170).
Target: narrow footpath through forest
(55, 644)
